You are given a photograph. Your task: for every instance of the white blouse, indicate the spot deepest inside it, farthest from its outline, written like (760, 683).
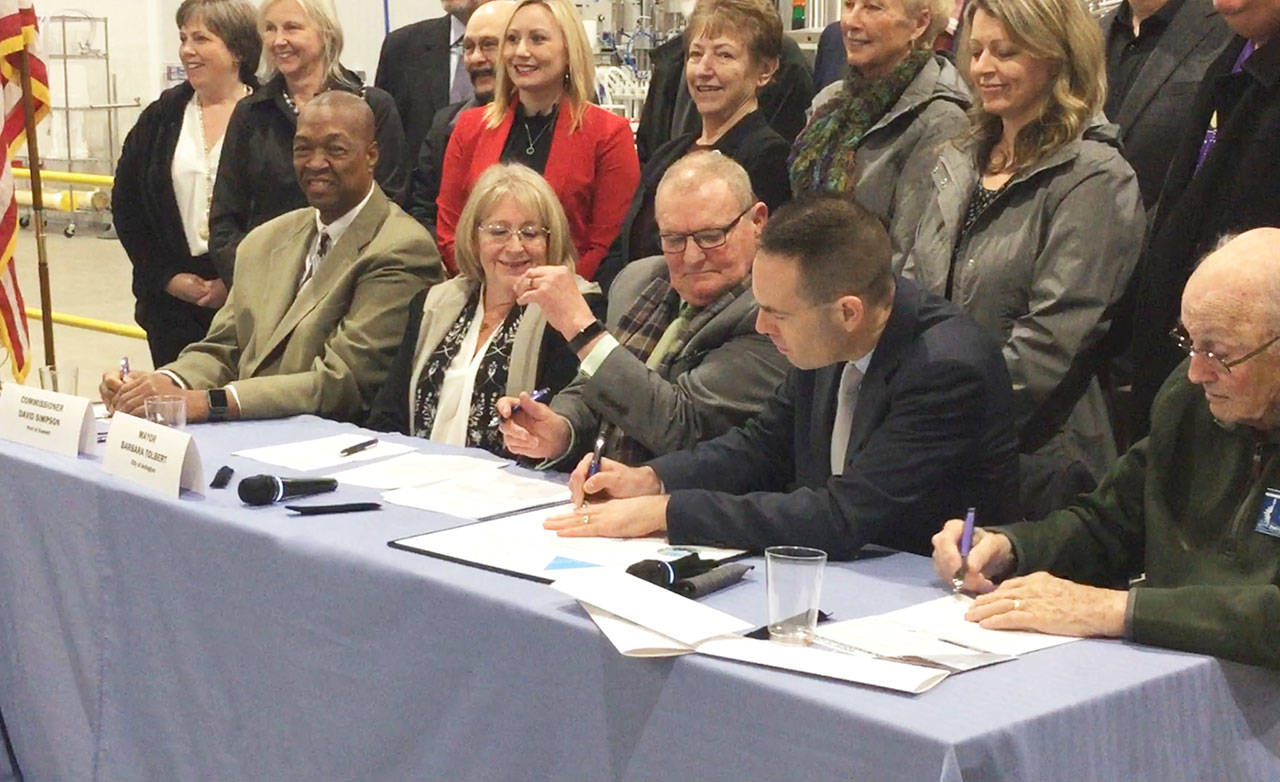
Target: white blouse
(454, 405)
(193, 174)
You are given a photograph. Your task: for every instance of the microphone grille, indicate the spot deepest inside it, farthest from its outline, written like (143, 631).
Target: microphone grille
(259, 489)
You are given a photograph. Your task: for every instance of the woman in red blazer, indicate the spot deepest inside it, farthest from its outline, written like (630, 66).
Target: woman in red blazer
(542, 116)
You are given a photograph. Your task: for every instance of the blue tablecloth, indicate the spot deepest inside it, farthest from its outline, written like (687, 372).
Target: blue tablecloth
(143, 637)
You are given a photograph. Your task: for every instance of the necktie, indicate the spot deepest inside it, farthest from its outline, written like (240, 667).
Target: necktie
(846, 399)
(460, 88)
(668, 337)
(322, 249)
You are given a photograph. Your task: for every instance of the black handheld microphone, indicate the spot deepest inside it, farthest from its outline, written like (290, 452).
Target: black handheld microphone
(266, 489)
(666, 574)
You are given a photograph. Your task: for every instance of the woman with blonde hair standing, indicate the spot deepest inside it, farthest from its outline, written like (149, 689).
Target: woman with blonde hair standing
(468, 342)
(542, 117)
(256, 181)
(1034, 220)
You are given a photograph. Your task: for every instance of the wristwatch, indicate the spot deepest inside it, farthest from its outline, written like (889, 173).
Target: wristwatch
(218, 409)
(589, 332)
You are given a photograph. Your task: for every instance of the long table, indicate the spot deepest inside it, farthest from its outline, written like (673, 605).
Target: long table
(143, 637)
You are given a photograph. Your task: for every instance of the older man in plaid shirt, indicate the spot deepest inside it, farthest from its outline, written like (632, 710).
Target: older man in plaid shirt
(680, 361)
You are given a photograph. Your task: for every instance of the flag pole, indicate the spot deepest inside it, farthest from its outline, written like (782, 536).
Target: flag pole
(37, 205)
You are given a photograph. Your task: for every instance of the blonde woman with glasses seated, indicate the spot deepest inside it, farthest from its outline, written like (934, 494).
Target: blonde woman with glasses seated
(468, 342)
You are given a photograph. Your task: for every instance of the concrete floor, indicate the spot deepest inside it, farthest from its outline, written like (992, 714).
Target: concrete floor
(90, 277)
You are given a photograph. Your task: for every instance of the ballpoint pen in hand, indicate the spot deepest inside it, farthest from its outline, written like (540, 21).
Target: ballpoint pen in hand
(966, 542)
(537, 396)
(124, 368)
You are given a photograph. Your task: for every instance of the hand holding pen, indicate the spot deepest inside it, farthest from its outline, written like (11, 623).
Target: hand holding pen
(988, 558)
(966, 543)
(537, 396)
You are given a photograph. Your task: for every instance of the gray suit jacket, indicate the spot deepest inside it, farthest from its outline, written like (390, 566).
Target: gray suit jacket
(325, 349)
(1159, 104)
(722, 376)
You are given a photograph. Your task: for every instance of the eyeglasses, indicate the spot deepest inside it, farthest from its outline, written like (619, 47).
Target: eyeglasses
(500, 233)
(1182, 339)
(707, 238)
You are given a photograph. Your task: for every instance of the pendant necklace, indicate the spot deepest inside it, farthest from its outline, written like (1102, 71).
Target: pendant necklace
(529, 150)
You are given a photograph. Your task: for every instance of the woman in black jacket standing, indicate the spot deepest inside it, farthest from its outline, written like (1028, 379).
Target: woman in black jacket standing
(731, 52)
(256, 181)
(165, 177)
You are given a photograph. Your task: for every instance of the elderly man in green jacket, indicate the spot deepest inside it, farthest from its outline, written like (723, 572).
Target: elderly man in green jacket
(1196, 505)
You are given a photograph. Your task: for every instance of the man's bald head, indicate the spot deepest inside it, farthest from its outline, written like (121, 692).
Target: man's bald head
(482, 45)
(1231, 313)
(1241, 279)
(334, 152)
(348, 108)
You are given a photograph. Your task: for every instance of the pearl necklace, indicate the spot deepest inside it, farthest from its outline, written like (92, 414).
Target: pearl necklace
(210, 165)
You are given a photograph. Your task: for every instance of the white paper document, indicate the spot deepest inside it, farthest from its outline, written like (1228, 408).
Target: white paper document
(649, 605)
(414, 469)
(322, 453)
(519, 544)
(480, 494)
(644, 620)
(935, 627)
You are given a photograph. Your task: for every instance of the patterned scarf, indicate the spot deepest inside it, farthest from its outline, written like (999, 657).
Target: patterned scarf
(639, 331)
(823, 156)
(490, 381)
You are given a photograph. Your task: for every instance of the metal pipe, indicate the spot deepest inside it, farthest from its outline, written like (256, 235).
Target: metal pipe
(73, 177)
(90, 324)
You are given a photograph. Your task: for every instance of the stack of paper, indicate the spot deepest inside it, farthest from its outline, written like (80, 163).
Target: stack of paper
(936, 632)
(321, 453)
(644, 620)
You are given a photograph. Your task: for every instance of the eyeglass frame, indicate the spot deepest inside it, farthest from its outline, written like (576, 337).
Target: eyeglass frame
(724, 232)
(1182, 339)
(524, 239)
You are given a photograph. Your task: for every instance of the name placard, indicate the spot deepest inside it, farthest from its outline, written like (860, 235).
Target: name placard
(61, 423)
(158, 457)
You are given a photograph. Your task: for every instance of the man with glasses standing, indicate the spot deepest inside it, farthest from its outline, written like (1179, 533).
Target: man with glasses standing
(897, 413)
(1193, 506)
(680, 360)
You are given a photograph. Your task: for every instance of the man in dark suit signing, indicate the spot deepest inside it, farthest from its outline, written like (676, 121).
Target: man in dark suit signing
(896, 415)
(422, 66)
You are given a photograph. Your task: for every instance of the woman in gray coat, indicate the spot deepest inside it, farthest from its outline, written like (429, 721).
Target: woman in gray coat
(1034, 221)
(876, 134)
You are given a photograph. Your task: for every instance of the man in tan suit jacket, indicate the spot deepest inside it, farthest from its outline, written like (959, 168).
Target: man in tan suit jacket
(321, 293)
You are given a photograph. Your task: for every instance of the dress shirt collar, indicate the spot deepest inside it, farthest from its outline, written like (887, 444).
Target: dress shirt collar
(457, 29)
(339, 226)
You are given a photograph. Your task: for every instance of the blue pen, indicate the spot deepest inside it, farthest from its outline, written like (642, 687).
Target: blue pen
(966, 543)
(537, 396)
(124, 367)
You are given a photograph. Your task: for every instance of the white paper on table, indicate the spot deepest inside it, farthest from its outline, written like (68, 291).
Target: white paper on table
(633, 640)
(477, 495)
(519, 544)
(944, 618)
(322, 452)
(649, 605)
(888, 674)
(414, 469)
(886, 638)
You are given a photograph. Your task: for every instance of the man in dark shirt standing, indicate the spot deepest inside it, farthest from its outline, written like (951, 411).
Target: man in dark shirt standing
(1224, 178)
(1157, 54)
(421, 65)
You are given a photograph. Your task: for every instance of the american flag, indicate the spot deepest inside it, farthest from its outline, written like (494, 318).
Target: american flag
(17, 29)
